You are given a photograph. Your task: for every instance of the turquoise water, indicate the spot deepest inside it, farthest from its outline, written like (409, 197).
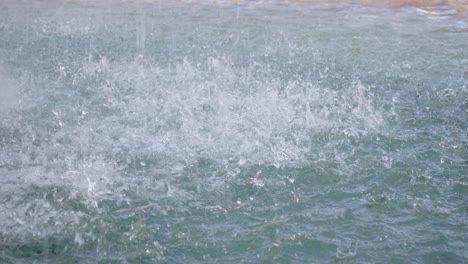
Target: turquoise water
(223, 132)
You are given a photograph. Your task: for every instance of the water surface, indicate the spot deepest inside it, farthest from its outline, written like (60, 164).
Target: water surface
(230, 132)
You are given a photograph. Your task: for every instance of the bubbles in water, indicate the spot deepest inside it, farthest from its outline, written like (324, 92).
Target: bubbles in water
(218, 111)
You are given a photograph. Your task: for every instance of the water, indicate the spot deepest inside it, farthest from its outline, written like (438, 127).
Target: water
(232, 132)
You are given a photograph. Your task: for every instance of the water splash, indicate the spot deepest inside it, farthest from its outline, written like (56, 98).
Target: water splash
(229, 132)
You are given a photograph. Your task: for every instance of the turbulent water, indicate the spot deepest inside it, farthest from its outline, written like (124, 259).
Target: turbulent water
(232, 132)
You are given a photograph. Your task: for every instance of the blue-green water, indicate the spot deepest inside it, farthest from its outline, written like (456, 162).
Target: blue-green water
(224, 132)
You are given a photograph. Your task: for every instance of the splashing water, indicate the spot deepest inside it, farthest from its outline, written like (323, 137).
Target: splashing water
(205, 132)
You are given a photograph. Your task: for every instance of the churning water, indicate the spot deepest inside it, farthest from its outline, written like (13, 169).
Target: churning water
(230, 132)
